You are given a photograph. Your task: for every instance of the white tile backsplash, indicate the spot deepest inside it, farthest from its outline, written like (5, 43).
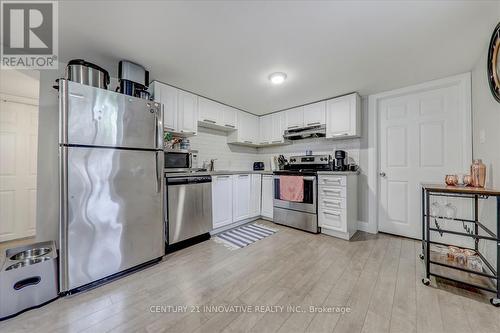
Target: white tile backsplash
(318, 146)
(213, 144)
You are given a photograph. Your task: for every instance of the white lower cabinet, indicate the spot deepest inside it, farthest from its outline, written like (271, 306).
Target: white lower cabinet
(337, 205)
(255, 194)
(222, 194)
(241, 197)
(267, 196)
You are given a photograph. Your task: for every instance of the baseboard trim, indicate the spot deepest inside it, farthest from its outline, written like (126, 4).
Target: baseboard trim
(235, 224)
(366, 227)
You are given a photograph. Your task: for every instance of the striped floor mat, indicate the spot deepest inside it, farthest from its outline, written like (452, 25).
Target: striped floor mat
(242, 236)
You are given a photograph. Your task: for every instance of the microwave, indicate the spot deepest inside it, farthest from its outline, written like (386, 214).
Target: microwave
(180, 160)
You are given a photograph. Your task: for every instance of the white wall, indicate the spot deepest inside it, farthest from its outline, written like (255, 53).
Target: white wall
(486, 120)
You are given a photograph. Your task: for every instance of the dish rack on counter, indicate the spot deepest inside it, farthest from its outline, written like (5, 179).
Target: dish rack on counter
(453, 265)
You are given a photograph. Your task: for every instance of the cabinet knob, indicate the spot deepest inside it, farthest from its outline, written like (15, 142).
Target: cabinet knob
(382, 174)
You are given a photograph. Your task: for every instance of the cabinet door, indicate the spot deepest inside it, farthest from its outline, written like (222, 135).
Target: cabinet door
(267, 196)
(209, 111)
(255, 195)
(266, 127)
(295, 118)
(248, 128)
(253, 122)
(333, 219)
(188, 113)
(222, 193)
(342, 116)
(278, 127)
(315, 114)
(241, 197)
(243, 128)
(229, 116)
(167, 95)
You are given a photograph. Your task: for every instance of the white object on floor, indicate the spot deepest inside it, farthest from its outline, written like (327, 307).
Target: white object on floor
(244, 235)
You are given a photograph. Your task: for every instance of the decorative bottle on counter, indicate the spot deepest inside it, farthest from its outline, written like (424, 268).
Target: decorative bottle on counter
(478, 173)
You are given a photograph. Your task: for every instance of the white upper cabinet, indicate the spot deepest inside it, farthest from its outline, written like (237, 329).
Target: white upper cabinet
(180, 109)
(215, 115)
(343, 117)
(229, 117)
(248, 130)
(209, 111)
(278, 127)
(167, 95)
(315, 114)
(295, 118)
(188, 113)
(266, 128)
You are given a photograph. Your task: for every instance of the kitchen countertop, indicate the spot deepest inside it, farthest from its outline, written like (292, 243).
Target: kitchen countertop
(264, 172)
(216, 173)
(339, 173)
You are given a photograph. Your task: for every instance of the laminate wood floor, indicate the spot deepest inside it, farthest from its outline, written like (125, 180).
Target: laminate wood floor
(377, 277)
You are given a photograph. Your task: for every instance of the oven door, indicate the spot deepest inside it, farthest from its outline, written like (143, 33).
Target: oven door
(308, 204)
(178, 160)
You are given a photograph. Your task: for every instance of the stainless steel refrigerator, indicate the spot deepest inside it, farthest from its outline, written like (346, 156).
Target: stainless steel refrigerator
(111, 188)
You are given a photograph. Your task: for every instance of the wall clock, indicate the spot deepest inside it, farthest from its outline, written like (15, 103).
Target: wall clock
(494, 63)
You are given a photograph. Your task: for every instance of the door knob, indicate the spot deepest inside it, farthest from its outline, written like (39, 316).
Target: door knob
(382, 174)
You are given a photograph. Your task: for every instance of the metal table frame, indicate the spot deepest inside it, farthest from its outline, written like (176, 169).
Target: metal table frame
(475, 194)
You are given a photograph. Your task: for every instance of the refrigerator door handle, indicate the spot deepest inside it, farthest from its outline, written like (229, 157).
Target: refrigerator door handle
(159, 126)
(63, 218)
(158, 171)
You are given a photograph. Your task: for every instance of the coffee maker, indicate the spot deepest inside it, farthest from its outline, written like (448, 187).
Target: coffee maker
(134, 79)
(340, 161)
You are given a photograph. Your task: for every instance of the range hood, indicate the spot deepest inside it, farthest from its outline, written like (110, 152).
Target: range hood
(316, 131)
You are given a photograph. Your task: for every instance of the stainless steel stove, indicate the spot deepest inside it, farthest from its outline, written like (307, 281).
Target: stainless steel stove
(300, 214)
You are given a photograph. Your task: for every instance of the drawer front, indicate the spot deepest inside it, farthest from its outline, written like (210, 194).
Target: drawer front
(332, 203)
(332, 180)
(328, 192)
(333, 219)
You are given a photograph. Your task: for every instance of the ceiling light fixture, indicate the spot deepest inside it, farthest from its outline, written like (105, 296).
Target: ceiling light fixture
(277, 78)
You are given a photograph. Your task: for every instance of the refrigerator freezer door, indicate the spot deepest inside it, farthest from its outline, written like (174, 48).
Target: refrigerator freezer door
(114, 212)
(92, 116)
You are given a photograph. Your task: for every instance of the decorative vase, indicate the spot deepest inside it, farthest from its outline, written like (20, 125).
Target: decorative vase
(478, 173)
(451, 180)
(468, 180)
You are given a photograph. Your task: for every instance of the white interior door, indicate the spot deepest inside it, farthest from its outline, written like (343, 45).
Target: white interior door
(424, 134)
(18, 159)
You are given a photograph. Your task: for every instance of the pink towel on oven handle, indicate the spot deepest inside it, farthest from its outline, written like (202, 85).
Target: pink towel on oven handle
(292, 188)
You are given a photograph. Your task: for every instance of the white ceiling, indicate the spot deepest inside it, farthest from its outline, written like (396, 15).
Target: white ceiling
(225, 50)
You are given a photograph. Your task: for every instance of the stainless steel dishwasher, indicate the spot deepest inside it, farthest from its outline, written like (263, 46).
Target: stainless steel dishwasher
(188, 211)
